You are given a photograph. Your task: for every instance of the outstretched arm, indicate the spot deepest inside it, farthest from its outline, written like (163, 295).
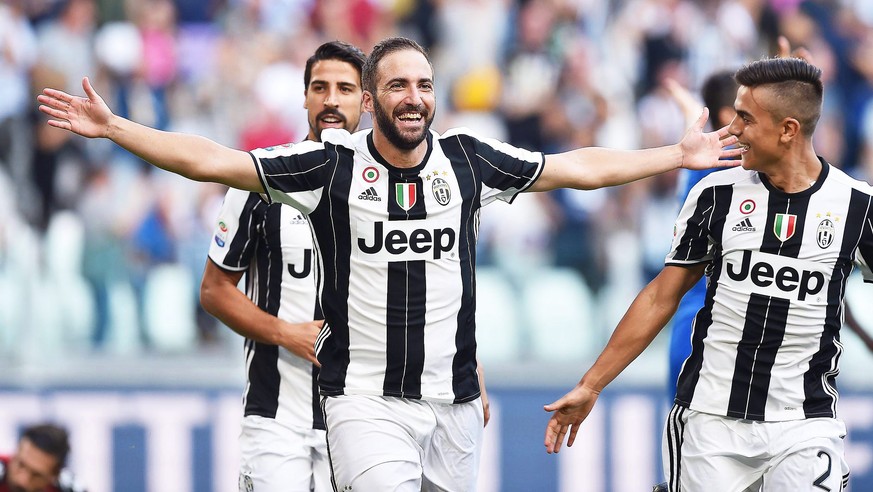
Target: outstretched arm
(221, 298)
(191, 156)
(596, 167)
(647, 315)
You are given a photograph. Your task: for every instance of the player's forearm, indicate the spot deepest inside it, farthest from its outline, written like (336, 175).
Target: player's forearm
(596, 167)
(227, 303)
(191, 156)
(636, 330)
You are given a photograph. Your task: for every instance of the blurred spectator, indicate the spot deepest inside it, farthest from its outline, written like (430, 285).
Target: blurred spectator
(66, 52)
(156, 20)
(17, 57)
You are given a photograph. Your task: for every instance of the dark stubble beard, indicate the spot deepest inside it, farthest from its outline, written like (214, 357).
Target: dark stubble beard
(393, 134)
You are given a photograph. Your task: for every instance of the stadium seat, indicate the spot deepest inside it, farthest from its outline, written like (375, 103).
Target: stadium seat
(168, 304)
(73, 302)
(498, 321)
(563, 324)
(64, 244)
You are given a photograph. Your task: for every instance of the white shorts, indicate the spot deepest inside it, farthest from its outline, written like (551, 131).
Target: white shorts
(390, 444)
(277, 458)
(703, 452)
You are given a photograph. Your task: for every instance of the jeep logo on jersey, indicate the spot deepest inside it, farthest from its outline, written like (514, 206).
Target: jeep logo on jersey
(784, 226)
(825, 234)
(406, 240)
(406, 193)
(306, 265)
(775, 275)
(441, 191)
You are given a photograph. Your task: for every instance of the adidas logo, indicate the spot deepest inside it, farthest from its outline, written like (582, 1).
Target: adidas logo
(298, 220)
(744, 226)
(370, 194)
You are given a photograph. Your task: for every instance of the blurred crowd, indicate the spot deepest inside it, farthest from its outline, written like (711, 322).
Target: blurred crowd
(100, 251)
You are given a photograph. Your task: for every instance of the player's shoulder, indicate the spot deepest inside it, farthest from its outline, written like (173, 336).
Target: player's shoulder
(839, 176)
(728, 176)
(342, 138)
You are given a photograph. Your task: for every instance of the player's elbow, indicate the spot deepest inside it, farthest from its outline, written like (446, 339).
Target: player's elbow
(209, 296)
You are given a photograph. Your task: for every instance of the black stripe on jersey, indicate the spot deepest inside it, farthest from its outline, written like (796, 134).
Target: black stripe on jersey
(264, 377)
(313, 165)
(782, 203)
(819, 382)
(406, 303)
(250, 217)
(498, 170)
(708, 218)
(763, 333)
(690, 372)
(334, 244)
(317, 414)
(459, 151)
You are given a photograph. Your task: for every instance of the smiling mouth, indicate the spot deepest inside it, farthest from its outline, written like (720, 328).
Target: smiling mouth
(410, 117)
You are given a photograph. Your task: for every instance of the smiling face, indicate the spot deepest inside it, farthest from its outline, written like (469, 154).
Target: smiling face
(756, 129)
(333, 97)
(403, 104)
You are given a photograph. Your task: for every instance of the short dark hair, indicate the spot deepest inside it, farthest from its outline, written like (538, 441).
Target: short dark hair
(719, 91)
(796, 85)
(335, 50)
(51, 439)
(381, 50)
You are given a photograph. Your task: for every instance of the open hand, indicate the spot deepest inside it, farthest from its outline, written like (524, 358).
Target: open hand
(570, 410)
(87, 116)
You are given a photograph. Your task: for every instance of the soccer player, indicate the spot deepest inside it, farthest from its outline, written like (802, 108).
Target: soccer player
(755, 407)
(38, 463)
(282, 443)
(394, 213)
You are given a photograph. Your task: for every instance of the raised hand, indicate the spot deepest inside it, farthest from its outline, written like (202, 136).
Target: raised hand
(703, 150)
(87, 116)
(786, 52)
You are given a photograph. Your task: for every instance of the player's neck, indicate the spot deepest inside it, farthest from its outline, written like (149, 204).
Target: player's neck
(398, 157)
(796, 173)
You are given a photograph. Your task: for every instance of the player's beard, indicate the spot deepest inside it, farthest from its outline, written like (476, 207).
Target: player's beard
(316, 127)
(393, 134)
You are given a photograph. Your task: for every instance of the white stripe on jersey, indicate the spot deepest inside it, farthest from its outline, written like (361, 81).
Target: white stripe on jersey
(397, 249)
(273, 244)
(766, 344)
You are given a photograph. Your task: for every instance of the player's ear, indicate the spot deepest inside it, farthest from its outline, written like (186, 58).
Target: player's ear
(790, 129)
(305, 99)
(367, 101)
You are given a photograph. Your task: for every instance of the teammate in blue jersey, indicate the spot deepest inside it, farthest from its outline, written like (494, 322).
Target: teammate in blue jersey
(282, 443)
(756, 402)
(394, 213)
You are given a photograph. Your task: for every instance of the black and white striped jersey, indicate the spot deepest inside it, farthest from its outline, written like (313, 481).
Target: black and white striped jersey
(766, 344)
(272, 243)
(396, 252)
